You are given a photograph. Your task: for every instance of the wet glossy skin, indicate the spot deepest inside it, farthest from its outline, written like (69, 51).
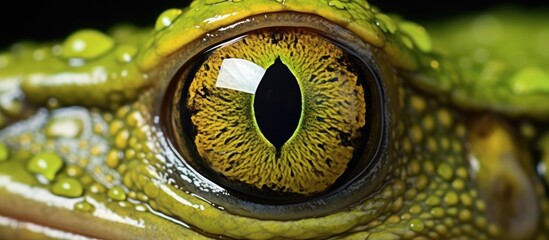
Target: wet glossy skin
(465, 157)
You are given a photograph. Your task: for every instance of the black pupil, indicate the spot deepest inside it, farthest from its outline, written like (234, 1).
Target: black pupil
(277, 104)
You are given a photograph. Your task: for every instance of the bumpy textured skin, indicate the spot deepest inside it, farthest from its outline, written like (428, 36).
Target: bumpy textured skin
(456, 171)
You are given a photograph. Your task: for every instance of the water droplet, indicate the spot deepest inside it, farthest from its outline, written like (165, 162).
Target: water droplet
(67, 187)
(417, 34)
(74, 171)
(166, 18)
(39, 54)
(96, 188)
(385, 23)
(84, 206)
(56, 50)
(445, 171)
(407, 42)
(53, 103)
(416, 225)
(434, 64)
(125, 53)
(530, 80)
(451, 198)
(87, 44)
(46, 164)
(336, 4)
(117, 193)
(142, 197)
(4, 152)
(113, 158)
(121, 139)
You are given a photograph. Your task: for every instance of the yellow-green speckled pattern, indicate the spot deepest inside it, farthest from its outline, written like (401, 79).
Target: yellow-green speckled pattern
(84, 154)
(294, 177)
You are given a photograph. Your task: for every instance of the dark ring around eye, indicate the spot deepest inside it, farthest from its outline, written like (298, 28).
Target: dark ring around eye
(359, 181)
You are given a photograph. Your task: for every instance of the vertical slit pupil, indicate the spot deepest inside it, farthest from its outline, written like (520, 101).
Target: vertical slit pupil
(277, 104)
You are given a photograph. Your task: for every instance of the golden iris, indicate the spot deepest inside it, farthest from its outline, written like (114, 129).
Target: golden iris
(225, 127)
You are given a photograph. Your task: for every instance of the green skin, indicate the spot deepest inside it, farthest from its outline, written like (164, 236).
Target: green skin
(82, 155)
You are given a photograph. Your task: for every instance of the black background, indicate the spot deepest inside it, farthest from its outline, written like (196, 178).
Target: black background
(51, 20)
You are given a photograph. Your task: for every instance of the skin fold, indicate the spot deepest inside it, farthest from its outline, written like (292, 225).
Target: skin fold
(91, 144)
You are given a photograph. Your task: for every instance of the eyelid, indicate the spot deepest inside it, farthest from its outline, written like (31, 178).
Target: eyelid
(187, 177)
(379, 29)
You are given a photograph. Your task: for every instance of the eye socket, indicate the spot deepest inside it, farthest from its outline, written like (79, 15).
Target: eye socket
(313, 130)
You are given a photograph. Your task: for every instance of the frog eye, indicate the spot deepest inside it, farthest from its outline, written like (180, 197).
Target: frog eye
(279, 117)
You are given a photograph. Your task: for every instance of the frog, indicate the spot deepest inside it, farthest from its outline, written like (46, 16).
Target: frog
(403, 131)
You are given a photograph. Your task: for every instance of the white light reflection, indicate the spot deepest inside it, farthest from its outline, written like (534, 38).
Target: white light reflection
(37, 194)
(542, 169)
(185, 173)
(475, 165)
(44, 196)
(50, 232)
(101, 211)
(97, 75)
(239, 74)
(164, 216)
(218, 18)
(179, 199)
(235, 25)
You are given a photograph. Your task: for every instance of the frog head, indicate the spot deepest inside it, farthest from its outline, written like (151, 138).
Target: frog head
(270, 119)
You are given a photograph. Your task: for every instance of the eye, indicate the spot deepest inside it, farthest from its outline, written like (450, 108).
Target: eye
(310, 130)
